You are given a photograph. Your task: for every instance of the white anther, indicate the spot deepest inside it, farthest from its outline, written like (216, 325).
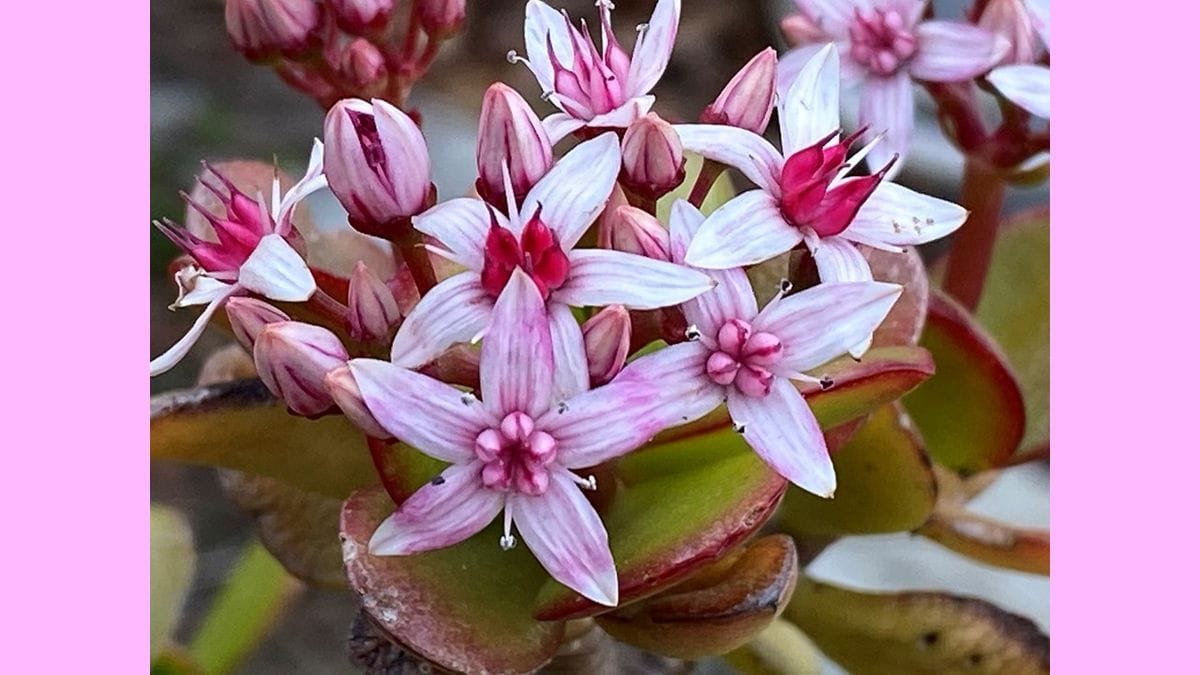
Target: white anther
(692, 333)
(508, 542)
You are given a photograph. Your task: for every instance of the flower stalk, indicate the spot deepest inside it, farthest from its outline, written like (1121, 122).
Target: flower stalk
(971, 250)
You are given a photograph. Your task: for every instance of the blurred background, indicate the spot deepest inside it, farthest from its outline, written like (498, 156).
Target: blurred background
(207, 102)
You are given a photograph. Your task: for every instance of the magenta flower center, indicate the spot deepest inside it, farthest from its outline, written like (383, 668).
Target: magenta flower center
(594, 83)
(537, 253)
(238, 231)
(516, 456)
(812, 194)
(743, 358)
(880, 40)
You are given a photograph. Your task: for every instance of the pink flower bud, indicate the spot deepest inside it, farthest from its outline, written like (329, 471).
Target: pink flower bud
(292, 359)
(651, 157)
(1010, 20)
(363, 66)
(632, 230)
(376, 162)
(346, 394)
(606, 342)
(373, 309)
(264, 29)
(249, 316)
(361, 17)
(799, 30)
(441, 18)
(509, 133)
(749, 98)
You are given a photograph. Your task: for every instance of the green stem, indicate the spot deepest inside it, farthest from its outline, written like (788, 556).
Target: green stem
(971, 251)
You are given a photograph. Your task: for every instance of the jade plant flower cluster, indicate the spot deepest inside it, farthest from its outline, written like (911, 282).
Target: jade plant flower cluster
(517, 361)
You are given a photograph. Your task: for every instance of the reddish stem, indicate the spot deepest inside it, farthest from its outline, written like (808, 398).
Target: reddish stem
(390, 473)
(327, 306)
(408, 241)
(710, 171)
(641, 201)
(971, 251)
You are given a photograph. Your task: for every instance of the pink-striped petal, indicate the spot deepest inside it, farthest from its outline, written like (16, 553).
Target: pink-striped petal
(168, 359)
(745, 230)
(516, 365)
(896, 216)
(838, 259)
(407, 153)
(808, 110)
(823, 322)
(573, 193)
(427, 414)
(440, 514)
(1026, 85)
(601, 277)
(950, 51)
(744, 150)
(831, 16)
(276, 271)
(456, 310)
(560, 125)
(653, 49)
(570, 356)
(733, 297)
(783, 431)
(566, 535)
(461, 225)
(624, 114)
(542, 21)
(886, 107)
(1039, 11)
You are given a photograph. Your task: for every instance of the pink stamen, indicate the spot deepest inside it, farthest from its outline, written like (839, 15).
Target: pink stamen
(516, 456)
(743, 358)
(880, 41)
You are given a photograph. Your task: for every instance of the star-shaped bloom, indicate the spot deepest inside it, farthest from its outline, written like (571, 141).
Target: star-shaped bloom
(538, 238)
(605, 88)
(252, 254)
(515, 451)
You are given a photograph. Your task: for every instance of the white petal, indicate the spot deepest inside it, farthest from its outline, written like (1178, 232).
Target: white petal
(624, 114)
(439, 514)
(653, 49)
(952, 51)
(462, 226)
(456, 310)
(573, 193)
(570, 356)
(1026, 85)
(783, 431)
(838, 260)
(733, 298)
(313, 180)
(566, 535)
(745, 230)
(832, 16)
(560, 125)
(1039, 11)
(205, 289)
(276, 271)
(542, 21)
(427, 414)
(744, 150)
(823, 322)
(601, 277)
(516, 366)
(168, 359)
(886, 107)
(897, 216)
(808, 111)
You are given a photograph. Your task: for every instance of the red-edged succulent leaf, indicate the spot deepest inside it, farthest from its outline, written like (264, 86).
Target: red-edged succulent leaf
(677, 510)
(467, 608)
(718, 609)
(990, 541)
(885, 483)
(971, 412)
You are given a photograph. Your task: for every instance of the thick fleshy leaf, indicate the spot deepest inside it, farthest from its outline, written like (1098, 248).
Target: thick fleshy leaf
(466, 608)
(745, 230)
(653, 49)
(600, 277)
(172, 565)
(916, 632)
(744, 150)
(953, 51)
(808, 110)
(677, 512)
(455, 310)
(971, 412)
(298, 527)
(225, 425)
(573, 193)
(885, 483)
(461, 225)
(990, 541)
(718, 609)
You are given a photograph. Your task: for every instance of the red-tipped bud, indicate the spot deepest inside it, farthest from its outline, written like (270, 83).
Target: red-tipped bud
(363, 66)
(441, 18)
(249, 316)
(361, 17)
(606, 342)
(632, 230)
(264, 29)
(749, 98)
(651, 157)
(345, 392)
(373, 309)
(376, 162)
(292, 359)
(511, 134)
(1010, 19)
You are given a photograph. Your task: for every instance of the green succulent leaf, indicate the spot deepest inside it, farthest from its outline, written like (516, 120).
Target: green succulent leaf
(990, 541)
(172, 566)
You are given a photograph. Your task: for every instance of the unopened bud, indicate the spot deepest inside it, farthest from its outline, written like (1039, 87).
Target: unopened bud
(511, 134)
(346, 394)
(373, 309)
(749, 98)
(292, 359)
(361, 17)
(632, 230)
(363, 65)
(1010, 19)
(376, 162)
(441, 18)
(606, 342)
(264, 29)
(651, 157)
(249, 316)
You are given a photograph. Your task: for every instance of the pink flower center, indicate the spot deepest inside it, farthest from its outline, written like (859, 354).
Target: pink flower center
(516, 456)
(743, 358)
(238, 231)
(537, 253)
(593, 84)
(810, 198)
(880, 40)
